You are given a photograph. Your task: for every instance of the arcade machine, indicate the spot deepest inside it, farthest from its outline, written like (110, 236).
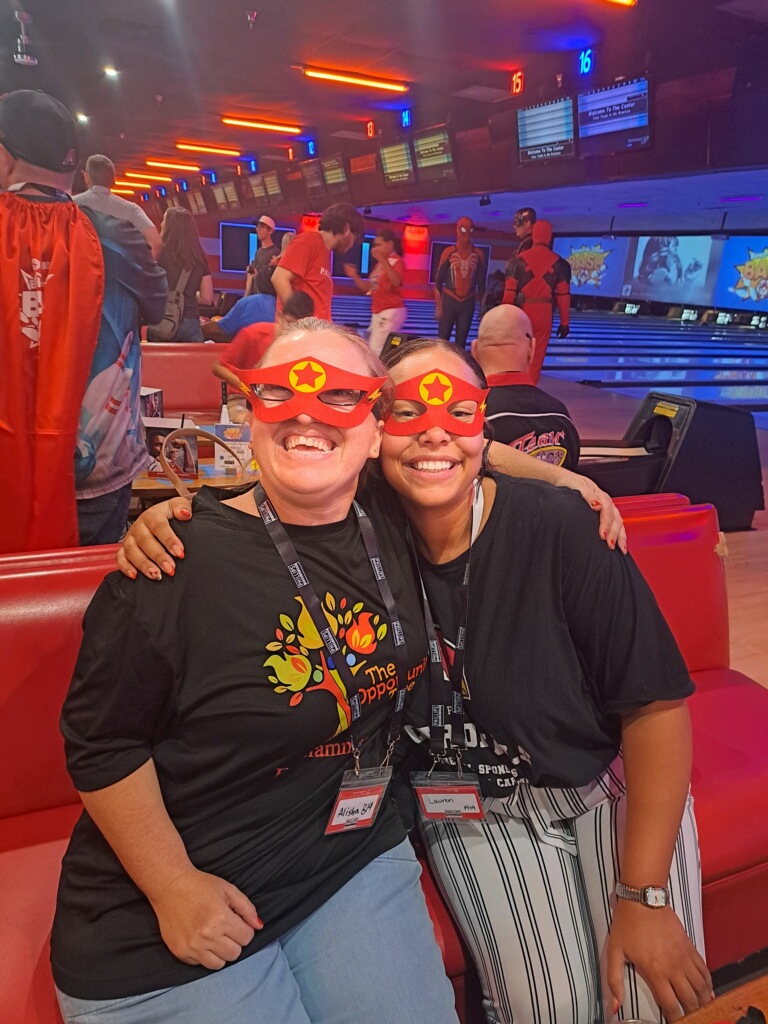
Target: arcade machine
(707, 452)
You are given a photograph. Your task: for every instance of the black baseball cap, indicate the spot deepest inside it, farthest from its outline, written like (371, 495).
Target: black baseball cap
(36, 128)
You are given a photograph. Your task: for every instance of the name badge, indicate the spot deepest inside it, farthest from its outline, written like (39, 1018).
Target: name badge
(445, 796)
(359, 800)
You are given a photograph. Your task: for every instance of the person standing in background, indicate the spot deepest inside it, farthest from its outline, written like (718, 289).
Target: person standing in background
(99, 178)
(72, 287)
(265, 253)
(458, 284)
(537, 280)
(306, 263)
(522, 415)
(388, 312)
(523, 222)
(182, 252)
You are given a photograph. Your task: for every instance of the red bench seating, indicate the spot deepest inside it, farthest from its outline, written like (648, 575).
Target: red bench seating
(679, 552)
(183, 371)
(43, 597)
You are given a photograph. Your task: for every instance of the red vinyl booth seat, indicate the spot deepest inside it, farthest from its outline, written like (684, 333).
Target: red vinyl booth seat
(678, 550)
(183, 371)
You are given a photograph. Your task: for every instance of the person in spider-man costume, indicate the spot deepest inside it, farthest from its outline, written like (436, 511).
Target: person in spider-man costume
(458, 284)
(536, 280)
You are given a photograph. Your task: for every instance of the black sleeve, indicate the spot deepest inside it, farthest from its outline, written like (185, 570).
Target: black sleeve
(624, 642)
(119, 694)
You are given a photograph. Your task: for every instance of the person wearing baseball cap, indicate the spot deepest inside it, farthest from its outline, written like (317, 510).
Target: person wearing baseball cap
(458, 284)
(71, 290)
(266, 252)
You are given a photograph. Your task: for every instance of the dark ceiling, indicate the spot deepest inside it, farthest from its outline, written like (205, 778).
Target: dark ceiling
(182, 63)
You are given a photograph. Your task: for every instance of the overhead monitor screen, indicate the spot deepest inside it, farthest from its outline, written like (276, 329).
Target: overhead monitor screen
(434, 155)
(258, 189)
(196, 202)
(615, 118)
(312, 174)
(272, 185)
(546, 131)
(397, 164)
(335, 174)
(220, 196)
(230, 191)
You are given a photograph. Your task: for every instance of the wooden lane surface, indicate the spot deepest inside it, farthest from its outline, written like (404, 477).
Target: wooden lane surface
(732, 1005)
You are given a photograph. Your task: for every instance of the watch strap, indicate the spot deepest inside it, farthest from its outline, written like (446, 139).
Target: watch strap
(630, 892)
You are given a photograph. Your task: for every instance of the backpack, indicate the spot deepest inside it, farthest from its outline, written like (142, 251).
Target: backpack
(174, 311)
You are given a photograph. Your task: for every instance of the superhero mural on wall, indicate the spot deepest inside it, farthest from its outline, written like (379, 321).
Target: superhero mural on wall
(597, 264)
(743, 280)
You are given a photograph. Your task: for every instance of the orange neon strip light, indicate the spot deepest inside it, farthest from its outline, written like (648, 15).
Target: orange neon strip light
(125, 191)
(199, 147)
(266, 126)
(624, 3)
(351, 79)
(143, 175)
(173, 166)
(132, 184)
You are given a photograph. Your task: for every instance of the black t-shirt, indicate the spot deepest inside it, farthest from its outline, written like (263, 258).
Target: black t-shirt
(264, 256)
(221, 678)
(192, 287)
(528, 419)
(563, 634)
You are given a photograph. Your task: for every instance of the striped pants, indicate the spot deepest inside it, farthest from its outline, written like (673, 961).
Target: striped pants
(532, 891)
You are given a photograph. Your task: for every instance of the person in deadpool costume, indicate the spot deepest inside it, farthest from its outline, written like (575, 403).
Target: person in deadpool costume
(536, 280)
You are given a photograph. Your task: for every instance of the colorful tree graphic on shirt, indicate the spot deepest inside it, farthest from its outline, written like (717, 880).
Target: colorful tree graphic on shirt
(299, 656)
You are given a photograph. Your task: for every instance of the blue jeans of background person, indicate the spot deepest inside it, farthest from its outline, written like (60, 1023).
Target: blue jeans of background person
(189, 329)
(102, 520)
(367, 956)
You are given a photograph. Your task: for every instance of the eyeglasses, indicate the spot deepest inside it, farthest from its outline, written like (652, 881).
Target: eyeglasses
(344, 399)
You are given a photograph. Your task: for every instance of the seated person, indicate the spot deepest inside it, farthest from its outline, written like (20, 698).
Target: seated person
(251, 309)
(250, 345)
(522, 415)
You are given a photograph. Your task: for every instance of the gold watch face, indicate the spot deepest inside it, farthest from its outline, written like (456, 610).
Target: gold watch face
(655, 896)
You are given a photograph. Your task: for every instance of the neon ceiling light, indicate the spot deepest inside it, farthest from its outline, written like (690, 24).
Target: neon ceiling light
(350, 78)
(623, 3)
(173, 166)
(202, 147)
(132, 184)
(264, 126)
(125, 191)
(143, 175)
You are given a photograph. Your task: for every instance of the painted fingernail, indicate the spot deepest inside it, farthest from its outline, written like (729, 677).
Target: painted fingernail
(260, 924)
(611, 543)
(595, 504)
(604, 534)
(154, 574)
(132, 573)
(615, 1007)
(185, 513)
(167, 568)
(177, 550)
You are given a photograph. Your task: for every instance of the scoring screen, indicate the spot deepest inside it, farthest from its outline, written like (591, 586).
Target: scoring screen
(545, 132)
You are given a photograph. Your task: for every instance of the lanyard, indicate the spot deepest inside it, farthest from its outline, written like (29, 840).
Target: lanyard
(456, 673)
(47, 190)
(286, 550)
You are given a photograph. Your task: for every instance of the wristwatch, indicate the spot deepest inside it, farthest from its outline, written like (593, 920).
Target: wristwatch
(654, 896)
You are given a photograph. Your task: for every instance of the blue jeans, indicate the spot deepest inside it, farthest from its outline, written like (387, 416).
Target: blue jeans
(367, 956)
(189, 329)
(102, 520)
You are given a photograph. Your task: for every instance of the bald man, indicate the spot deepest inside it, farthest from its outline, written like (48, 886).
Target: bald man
(522, 415)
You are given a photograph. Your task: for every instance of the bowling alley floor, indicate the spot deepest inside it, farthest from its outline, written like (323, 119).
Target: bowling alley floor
(604, 414)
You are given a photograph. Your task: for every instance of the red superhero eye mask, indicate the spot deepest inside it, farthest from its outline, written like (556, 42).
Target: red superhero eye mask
(436, 399)
(327, 393)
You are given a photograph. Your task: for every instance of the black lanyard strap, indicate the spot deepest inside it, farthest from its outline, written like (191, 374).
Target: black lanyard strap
(285, 548)
(437, 649)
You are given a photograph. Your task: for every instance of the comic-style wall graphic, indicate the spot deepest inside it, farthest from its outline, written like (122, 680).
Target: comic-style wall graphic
(742, 283)
(597, 264)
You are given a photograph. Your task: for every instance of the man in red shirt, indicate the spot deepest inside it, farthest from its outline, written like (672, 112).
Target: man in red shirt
(306, 263)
